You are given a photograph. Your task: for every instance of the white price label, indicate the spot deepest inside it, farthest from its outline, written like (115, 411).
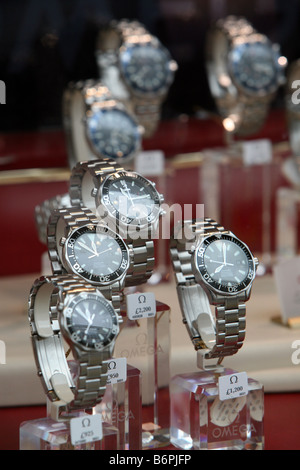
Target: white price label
(233, 386)
(150, 163)
(141, 305)
(116, 370)
(257, 152)
(86, 429)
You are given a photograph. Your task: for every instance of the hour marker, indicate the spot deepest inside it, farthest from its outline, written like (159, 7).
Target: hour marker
(242, 272)
(236, 253)
(237, 279)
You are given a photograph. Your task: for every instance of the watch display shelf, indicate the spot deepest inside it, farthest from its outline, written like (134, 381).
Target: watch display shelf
(201, 421)
(146, 345)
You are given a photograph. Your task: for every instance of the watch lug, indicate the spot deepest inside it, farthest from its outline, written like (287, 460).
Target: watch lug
(94, 192)
(62, 241)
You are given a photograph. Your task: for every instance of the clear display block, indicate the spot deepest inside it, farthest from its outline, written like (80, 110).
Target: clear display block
(146, 345)
(122, 408)
(48, 434)
(200, 420)
(288, 200)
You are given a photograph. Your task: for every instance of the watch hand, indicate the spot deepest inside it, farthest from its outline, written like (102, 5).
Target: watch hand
(90, 323)
(101, 253)
(86, 247)
(219, 268)
(94, 246)
(224, 253)
(87, 318)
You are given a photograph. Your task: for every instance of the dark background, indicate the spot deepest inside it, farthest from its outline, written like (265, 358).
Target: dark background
(46, 43)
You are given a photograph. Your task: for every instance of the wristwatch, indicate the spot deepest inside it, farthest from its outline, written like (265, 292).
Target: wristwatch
(98, 125)
(136, 68)
(44, 210)
(68, 308)
(244, 72)
(212, 267)
(79, 244)
(127, 202)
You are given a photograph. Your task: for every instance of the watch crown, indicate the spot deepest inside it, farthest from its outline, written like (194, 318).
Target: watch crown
(62, 241)
(256, 262)
(192, 249)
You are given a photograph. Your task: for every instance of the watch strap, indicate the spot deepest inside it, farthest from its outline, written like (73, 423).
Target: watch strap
(45, 209)
(88, 387)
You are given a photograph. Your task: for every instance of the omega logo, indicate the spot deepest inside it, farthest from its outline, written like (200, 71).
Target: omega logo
(111, 414)
(141, 348)
(235, 430)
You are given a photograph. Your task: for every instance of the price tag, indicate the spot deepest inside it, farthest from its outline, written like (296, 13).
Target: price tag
(257, 152)
(116, 370)
(150, 163)
(141, 305)
(233, 386)
(86, 429)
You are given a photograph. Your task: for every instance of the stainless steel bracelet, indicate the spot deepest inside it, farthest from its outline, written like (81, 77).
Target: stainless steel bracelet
(226, 330)
(84, 179)
(44, 210)
(89, 386)
(247, 113)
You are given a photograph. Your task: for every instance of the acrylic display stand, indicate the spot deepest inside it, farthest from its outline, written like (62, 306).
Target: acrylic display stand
(121, 413)
(121, 408)
(201, 421)
(146, 345)
(49, 434)
(288, 199)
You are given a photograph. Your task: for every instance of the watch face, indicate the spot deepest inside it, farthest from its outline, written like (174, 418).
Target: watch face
(91, 321)
(113, 133)
(254, 67)
(146, 68)
(131, 198)
(225, 263)
(97, 254)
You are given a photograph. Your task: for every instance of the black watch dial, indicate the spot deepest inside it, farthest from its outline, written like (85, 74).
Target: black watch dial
(146, 68)
(225, 263)
(97, 254)
(113, 134)
(254, 67)
(131, 198)
(91, 321)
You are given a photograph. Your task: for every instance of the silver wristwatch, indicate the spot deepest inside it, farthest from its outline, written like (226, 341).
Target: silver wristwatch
(67, 308)
(212, 267)
(244, 72)
(127, 202)
(136, 68)
(98, 125)
(79, 244)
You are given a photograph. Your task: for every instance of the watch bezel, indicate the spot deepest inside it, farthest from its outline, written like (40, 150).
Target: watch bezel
(239, 47)
(71, 300)
(95, 110)
(102, 280)
(202, 275)
(128, 48)
(103, 198)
